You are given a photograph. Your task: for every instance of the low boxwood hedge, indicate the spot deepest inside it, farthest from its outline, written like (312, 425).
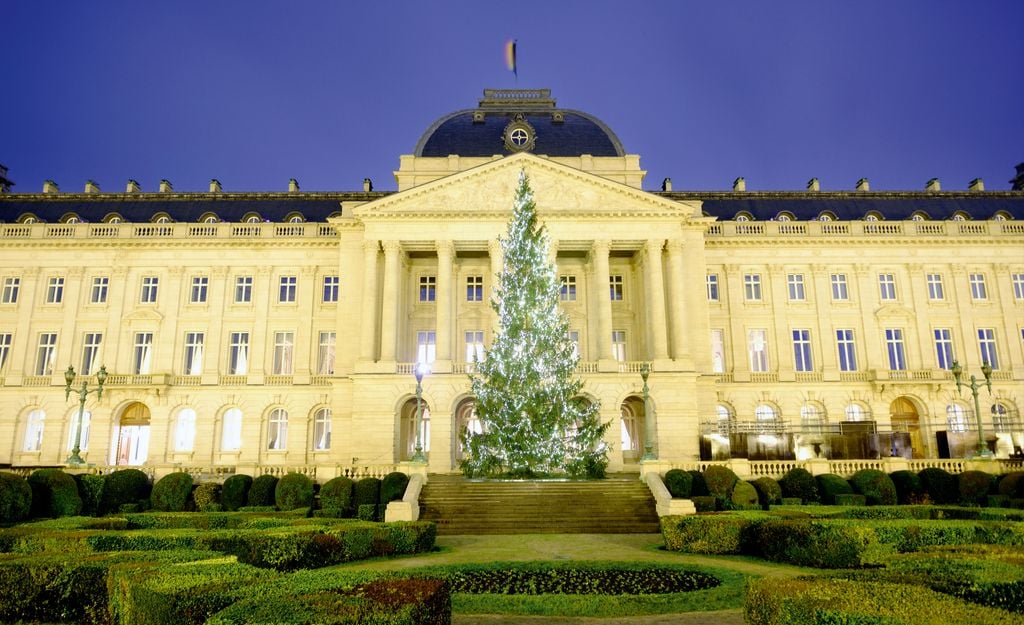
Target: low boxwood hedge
(125, 486)
(54, 494)
(293, 491)
(679, 483)
(207, 497)
(707, 534)
(15, 497)
(973, 487)
(769, 493)
(236, 490)
(336, 497)
(261, 492)
(830, 485)
(876, 486)
(173, 493)
(909, 489)
(800, 483)
(720, 481)
(939, 485)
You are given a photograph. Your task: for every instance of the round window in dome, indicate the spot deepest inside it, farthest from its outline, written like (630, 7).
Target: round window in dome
(519, 136)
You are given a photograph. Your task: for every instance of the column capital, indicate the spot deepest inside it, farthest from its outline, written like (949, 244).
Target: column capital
(371, 246)
(445, 247)
(654, 246)
(392, 246)
(602, 245)
(675, 246)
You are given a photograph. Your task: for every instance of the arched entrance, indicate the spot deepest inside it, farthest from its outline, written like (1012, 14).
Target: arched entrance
(465, 420)
(632, 429)
(904, 418)
(407, 430)
(131, 436)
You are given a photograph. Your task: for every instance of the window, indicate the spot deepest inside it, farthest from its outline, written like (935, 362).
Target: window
(725, 416)
(847, 350)
(567, 288)
(83, 438)
(574, 338)
(46, 354)
(757, 347)
(812, 418)
(426, 347)
(752, 287)
(474, 346)
(1002, 420)
(474, 288)
(619, 345)
(802, 350)
(200, 286)
(185, 431)
(193, 364)
(142, 359)
(325, 353)
(149, 289)
(718, 351)
(1018, 285)
(238, 354)
(840, 290)
(956, 418)
(428, 288)
(615, 284)
(100, 287)
(712, 283)
(5, 348)
(987, 346)
(894, 349)
(886, 287)
(331, 286)
(55, 291)
(764, 412)
(286, 292)
(243, 289)
(856, 412)
(91, 342)
(795, 284)
(978, 290)
(935, 290)
(11, 288)
(34, 431)
(231, 430)
(322, 429)
(284, 351)
(277, 430)
(943, 348)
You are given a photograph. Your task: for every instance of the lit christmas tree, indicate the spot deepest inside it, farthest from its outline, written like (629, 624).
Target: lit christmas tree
(532, 419)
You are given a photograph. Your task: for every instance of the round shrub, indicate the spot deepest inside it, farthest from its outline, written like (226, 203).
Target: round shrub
(366, 492)
(744, 495)
(768, 491)
(261, 492)
(679, 483)
(235, 492)
(54, 494)
(336, 495)
(392, 487)
(172, 492)
(15, 497)
(876, 486)
(799, 483)
(830, 485)
(720, 482)
(939, 485)
(909, 489)
(294, 490)
(700, 487)
(207, 497)
(973, 487)
(122, 487)
(90, 489)
(1012, 485)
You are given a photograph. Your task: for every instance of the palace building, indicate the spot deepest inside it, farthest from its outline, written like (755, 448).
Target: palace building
(245, 330)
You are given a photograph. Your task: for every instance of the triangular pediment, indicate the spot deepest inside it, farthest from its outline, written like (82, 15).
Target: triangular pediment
(558, 190)
(890, 311)
(143, 315)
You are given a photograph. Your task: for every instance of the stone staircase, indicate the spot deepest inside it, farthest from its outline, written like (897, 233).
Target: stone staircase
(620, 504)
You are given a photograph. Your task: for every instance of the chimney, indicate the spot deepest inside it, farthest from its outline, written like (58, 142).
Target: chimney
(91, 186)
(367, 185)
(666, 184)
(5, 182)
(132, 187)
(1018, 180)
(813, 185)
(215, 186)
(976, 185)
(740, 184)
(50, 186)
(293, 186)
(932, 185)
(165, 186)
(862, 185)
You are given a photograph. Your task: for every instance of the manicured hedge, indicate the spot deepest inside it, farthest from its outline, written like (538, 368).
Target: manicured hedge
(973, 487)
(90, 490)
(235, 491)
(821, 544)
(126, 486)
(679, 483)
(744, 496)
(704, 534)
(172, 493)
(262, 490)
(799, 483)
(939, 485)
(15, 497)
(830, 485)
(54, 494)
(207, 497)
(336, 497)
(876, 486)
(366, 492)
(720, 481)
(392, 487)
(700, 487)
(769, 493)
(1012, 485)
(909, 489)
(294, 490)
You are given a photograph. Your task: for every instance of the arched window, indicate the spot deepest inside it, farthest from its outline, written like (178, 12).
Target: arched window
(231, 431)
(765, 412)
(744, 216)
(294, 218)
(161, 218)
(919, 216)
(185, 431)
(322, 429)
(83, 441)
(1002, 417)
(873, 216)
(956, 417)
(856, 412)
(960, 216)
(812, 417)
(34, 430)
(209, 218)
(784, 216)
(1002, 216)
(28, 218)
(725, 418)
(826, 216)
(277, 430)
(113, 218)
(252, 218)
(71, 218)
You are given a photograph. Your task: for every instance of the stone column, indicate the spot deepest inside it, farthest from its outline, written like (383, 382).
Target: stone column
(443, 310)
(676, 305)
(389, 319)
(656, 299)
(368, 339)
(599, 257)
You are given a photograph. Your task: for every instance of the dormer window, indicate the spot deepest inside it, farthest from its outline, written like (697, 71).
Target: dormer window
(873, 216)
(294, 218)
(113, 218)
(826, 216)
(1002, 216)
(161, 218)
(28, 218)
(919, 216)
(209, 218)
(744, 216)
(960, 216)
(252, 218)
(71, 218)
(784, 216)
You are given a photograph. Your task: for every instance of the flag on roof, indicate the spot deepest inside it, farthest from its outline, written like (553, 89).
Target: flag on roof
(510, 56)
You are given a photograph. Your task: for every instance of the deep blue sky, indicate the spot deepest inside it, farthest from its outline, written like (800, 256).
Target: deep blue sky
(256, 92)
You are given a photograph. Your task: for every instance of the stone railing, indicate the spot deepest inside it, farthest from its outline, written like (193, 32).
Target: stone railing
(264, 230)
(752, 469)
(728, 229)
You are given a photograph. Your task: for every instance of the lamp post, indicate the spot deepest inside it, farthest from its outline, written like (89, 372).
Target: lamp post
(74, 459)
(645, 370)
(986, 370)
(420, 370)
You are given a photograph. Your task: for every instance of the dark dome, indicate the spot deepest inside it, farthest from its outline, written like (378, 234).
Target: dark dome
(555, 132)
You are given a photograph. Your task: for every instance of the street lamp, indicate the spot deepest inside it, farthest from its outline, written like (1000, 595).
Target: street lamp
(986, 370)
(420, 370)
(645, 370)
(74, 459)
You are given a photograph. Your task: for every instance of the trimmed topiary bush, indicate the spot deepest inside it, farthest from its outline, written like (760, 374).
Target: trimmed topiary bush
(679, 483)
(973, 487)
(715, 534)
(367, 512)
(54, 494)
(366, 492)
(744, 496)
(939, 485)
(90, 489)
(294, 490)
(703, 503)
(15, 497)
(830, 485)
(876, 486)
(392, 487)
(909, 489)
(1012, 485)
(800, 483)
(124, 486)
(261, 492)
(769, 493)
(207, 497)
(720, 482)
(850, 499)
(700, 487)
(235, 492)
(172, 493)
(336, 497)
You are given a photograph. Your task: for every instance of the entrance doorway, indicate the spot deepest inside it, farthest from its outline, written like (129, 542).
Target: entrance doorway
(632, 429)
(904, 418)
(465, 421)
(131, 436)
(407, 430)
